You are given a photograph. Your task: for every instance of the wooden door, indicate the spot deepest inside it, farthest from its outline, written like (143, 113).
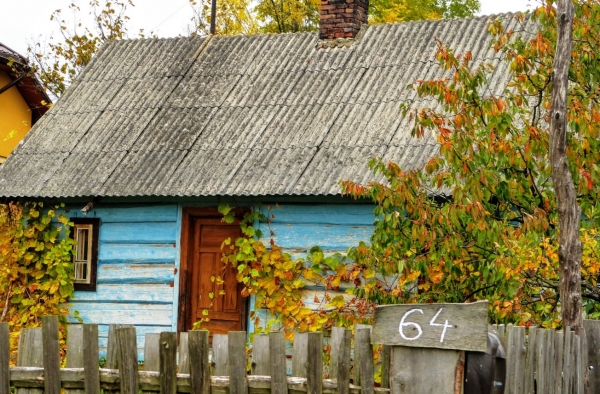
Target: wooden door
(213, 291)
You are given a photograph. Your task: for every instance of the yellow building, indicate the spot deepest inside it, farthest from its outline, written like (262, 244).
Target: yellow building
(22, 100)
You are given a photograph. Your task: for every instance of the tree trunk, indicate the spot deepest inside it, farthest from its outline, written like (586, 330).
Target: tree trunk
(569, 213)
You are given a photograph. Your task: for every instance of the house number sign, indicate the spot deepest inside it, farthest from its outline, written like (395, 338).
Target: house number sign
(443, 326)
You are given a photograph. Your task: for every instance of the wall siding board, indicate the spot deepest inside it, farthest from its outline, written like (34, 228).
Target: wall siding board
(322, 214)
(136, 273)
(300, 237)
(122, 313)
(137, 253)
(130, 214)
(130, 293)
(139, 233)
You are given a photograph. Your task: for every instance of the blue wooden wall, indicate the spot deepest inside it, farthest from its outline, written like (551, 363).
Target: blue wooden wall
(138, 261)
(138, 253)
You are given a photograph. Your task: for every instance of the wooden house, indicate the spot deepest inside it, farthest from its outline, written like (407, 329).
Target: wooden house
(22, 100)
(156, 133)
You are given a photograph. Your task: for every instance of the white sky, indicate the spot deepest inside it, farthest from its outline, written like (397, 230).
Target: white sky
(25, 21)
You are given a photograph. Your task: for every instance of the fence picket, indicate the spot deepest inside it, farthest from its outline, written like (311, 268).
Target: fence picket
(183, 354)
(199, 367)
(592, 330)
(220, 355)
(300, 354)
(151, 352)
(578, 364)
(30, 354)
(337, 335)
(343, 370)
(314, 363)
(362, 346)
(559, 344)
(385, 366)
(358, 354)
(51, 354)
(277, 360)
(75, 352)
(261, 359)
(238, 383)
(4, 359)
(168, 363)
(91, 377)
(567, 361)
(530, 361)
(128, 363)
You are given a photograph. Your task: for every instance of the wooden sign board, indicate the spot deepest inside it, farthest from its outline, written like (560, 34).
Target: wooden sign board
(441, 326)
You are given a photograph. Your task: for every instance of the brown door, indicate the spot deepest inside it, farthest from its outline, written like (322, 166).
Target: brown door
(212, 289)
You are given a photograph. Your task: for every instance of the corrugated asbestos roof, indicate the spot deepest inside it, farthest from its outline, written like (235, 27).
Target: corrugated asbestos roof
(246, 115)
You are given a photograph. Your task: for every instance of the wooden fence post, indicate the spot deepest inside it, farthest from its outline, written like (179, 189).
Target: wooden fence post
(314, 363)
(592, 330)
(183, 354)
(199, 367)
(128, 360)
(4, 359)
(261, 359)
(238, 382)
(277, 360)
(358, 355)
(91, 376)
(220, 354)
(337, 336)
(151, 352)
(515, 362)
(300, 356)
(362, 346)
(30, 354)
(168, 363)
(530, 361)
(343, 367)
(51, 355)
(75, 351)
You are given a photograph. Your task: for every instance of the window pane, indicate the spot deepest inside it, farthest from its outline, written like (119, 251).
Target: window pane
(82, 244)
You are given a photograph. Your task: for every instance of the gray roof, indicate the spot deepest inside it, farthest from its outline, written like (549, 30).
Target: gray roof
(244, 115)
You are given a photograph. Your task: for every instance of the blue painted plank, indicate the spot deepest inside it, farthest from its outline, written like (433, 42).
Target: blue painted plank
(300, 237)
(137, 253)
(122, 313)
(351, 214)
(136, 273)
(129, 214)
(131, 293)
(139, 233)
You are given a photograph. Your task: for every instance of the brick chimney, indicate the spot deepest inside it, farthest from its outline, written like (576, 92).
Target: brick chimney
(342, 18)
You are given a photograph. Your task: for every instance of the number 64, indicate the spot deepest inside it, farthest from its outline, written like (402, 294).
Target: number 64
(404, 323)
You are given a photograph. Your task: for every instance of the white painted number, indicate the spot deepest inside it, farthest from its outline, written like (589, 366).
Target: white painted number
(415, 325)
(445, 325)
(404, 324)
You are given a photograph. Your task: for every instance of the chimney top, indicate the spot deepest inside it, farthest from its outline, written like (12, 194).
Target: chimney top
(342, 18)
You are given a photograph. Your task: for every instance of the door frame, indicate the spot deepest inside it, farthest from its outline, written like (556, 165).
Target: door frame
(187, 216)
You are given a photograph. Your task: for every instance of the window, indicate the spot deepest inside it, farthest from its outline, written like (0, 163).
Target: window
(85, 258)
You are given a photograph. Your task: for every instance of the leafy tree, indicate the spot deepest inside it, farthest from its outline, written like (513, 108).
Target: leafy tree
(57, 64)
(481, 220)
(233, 17)
(386, 11)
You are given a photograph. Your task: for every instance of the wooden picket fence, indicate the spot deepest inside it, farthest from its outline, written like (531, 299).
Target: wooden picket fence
(538, 361)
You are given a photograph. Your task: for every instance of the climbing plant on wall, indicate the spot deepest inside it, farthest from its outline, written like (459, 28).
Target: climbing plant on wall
(36, 269)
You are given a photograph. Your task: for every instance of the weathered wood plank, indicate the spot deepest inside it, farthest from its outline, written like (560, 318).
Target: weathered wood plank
(444, 326)
(75, 358)
(530, 362)
(238, 384)
(183, 354)
(549, 362)
(168, 363)
(125, 273)
(131, 214)
(344, 363)
(220, 355)
(568, 362)
(90, 359)
(151, 352)
(51, 354)
(408, 366)
(358, 354)
(385, 366)
(139, 233)
(120, 254)
(333, 237)
(558, 361)
(30, 354)
(337, 336)
(362, 345)
(123, 313)
(278, 364)
(143, 293)
(4, 358)
(199, 366)
(516, 359)
(350, 214)
(592, 330)
(540, 347)
(300, 356)
(128, 363)
(578, 364)
(261, 356)
(314, 363)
